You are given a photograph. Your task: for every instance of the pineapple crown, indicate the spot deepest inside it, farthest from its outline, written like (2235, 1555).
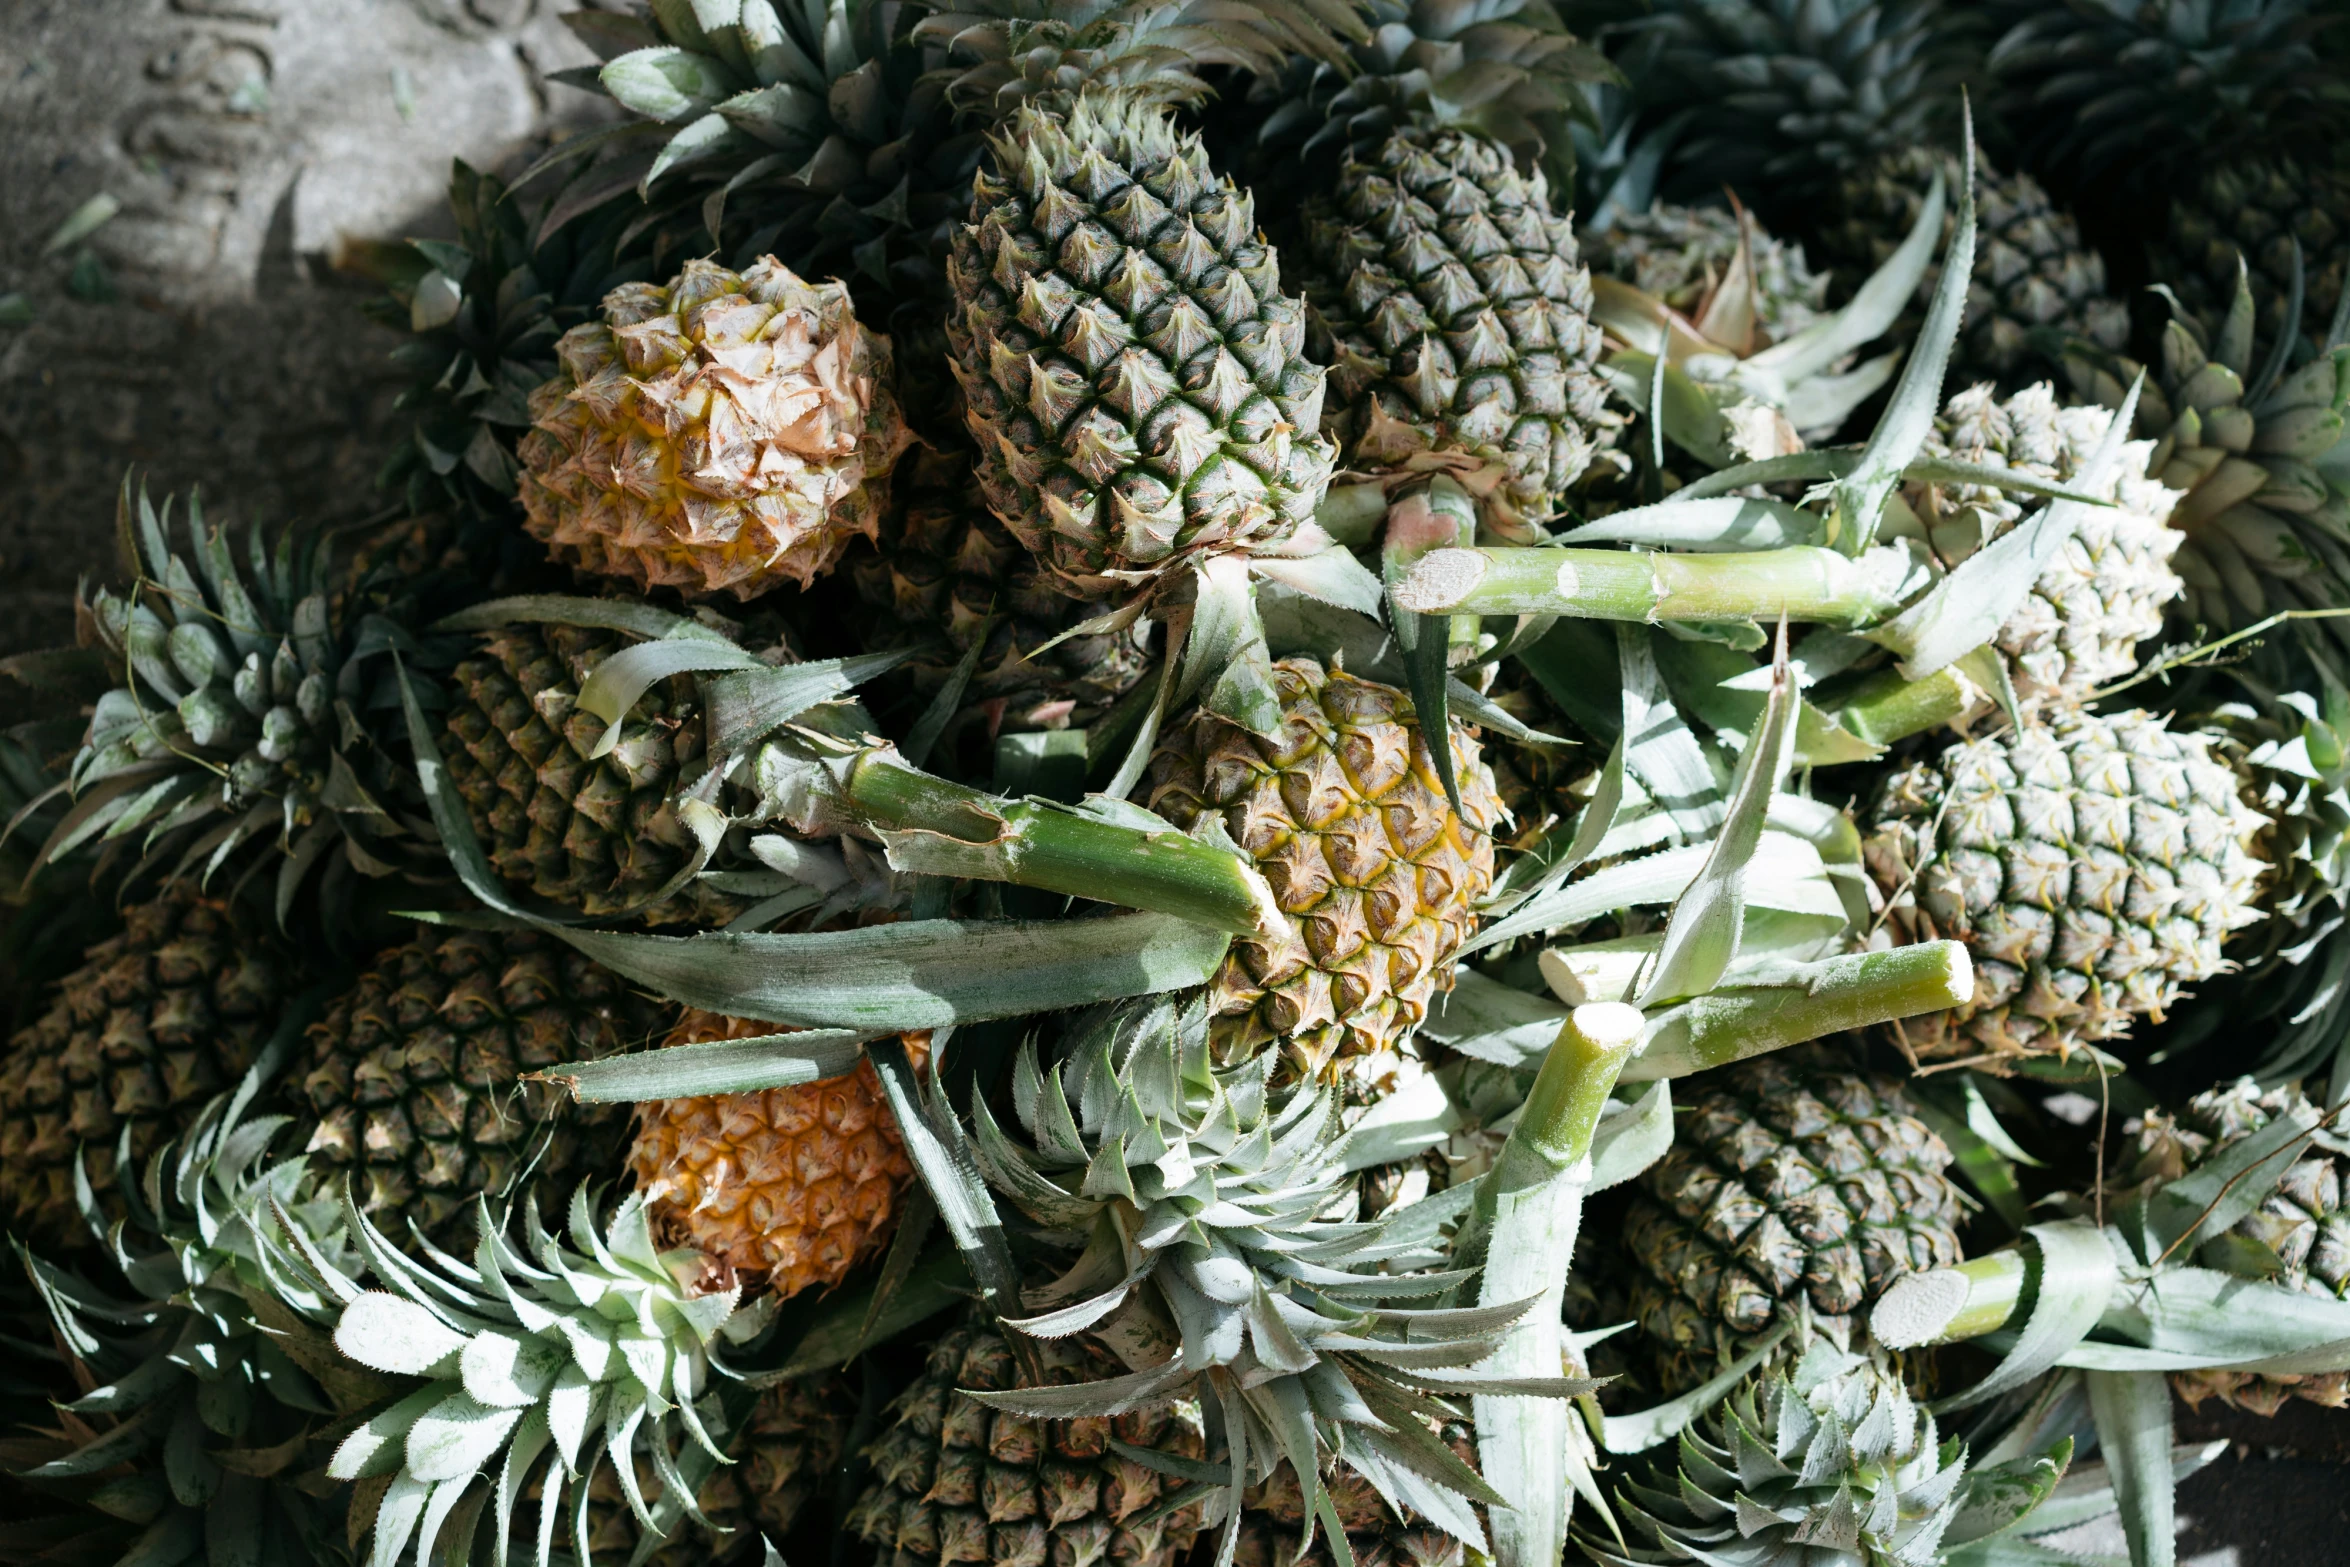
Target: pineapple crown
(238, 713)
(1831, 1457)
(213, 1361)
(1195, 1193)
(2134, 88)
(829, 121)
(538, 1363)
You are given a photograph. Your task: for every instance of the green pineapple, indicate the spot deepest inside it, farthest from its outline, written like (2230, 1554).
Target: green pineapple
(2094, 865)
(1793, 1185)
(1684, 256)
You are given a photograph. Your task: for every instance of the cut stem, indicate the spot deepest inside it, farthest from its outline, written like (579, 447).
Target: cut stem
(1946, 1305)
(934, 827)
(1887, 708)
(1855, 991)
(1804, 583)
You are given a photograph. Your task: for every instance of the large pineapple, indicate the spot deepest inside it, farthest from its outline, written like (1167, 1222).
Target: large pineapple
(159, 1019)
(795, 1185)
(2080, 626)
(596, 833)
(2251, 449)
(956, 1481)
(1135, 379)
(2094, 865)
(724, 433)
(1790, 1182)
(1455, 311)
(2301, 1222)
(1342, 810)
(413, 1077)
(1831, 116)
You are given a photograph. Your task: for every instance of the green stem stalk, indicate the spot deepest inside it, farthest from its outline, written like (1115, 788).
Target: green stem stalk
(1842, 993)
(1887, 708)
(934, 827)
(1946, 1305)
(1803, 582)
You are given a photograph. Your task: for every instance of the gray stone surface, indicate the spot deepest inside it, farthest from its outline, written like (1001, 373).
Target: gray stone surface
(201, 334)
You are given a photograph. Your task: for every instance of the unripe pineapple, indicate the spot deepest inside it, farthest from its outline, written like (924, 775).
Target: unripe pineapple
(2080, 626)
(157, 1020)
(1342, 810)
(943, 568)
(1536, 784)
(1787, 1179)
(1135, 380)
(2256, 208)
(783, 1456)
(1274, 1517)
(1455, 312)
(955, 1481)
(413, 1076)
(797, 1184)
(599, 834)
(2092, 864)
(1681, 255)
(2301, 1223)
(722, 434)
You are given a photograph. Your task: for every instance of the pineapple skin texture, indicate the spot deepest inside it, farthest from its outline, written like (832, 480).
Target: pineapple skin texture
(158, 1019)
(797, 1184)
(1455, 310)
(413, 1076)
(1344, 814)
(721, 435)
(1786, 1179)
(955, 1481)
(2302, 1221)
(2093, 866)
(1134, 378)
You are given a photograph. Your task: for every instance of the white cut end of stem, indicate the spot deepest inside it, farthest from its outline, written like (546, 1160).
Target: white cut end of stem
(1918, 1308)
(1960, 988)
(1441, 579)
(1567, 583)
(1607, 974)
(1611, 1025)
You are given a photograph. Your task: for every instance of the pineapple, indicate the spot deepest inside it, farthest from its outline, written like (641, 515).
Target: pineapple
(2081, 624)
(1134, 378)
(942, 568)
(1276, 1510)
(158, 1019)
(956, 1481)
(721, 434)
(599, 834)
(1682, 256)
(794, 1185)
(2093, 865)
(1538, 786)
(2300, 1223)
(2229, 116)
(411, 1081)
(1833, 114)
(1792, 1185)
(2250, 449)
(1455, 312)
(1342, 810)
(1828, 1460)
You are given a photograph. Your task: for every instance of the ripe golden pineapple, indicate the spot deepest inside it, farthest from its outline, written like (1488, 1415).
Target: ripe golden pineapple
(159, 1018)
(1343, 812)
(796, 1184)
(596, 834)
(721, 434)
(413, 1076)
(955, 1481)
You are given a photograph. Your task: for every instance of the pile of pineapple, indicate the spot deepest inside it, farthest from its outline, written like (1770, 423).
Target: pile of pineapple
(1236, 780)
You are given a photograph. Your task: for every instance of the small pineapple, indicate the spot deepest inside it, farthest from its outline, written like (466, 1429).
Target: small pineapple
(596, 833)
(1342, 810)
(1537, 785)
(798, 1185)
(1275, 1513)
(2080, 626)
(722, 434)
(1791, 1184)
(157, 1020)
(2093, 865)
(1455, 311)
(412, 1078)
(2301, 1223)
(1682, 255)
(955, 1481)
